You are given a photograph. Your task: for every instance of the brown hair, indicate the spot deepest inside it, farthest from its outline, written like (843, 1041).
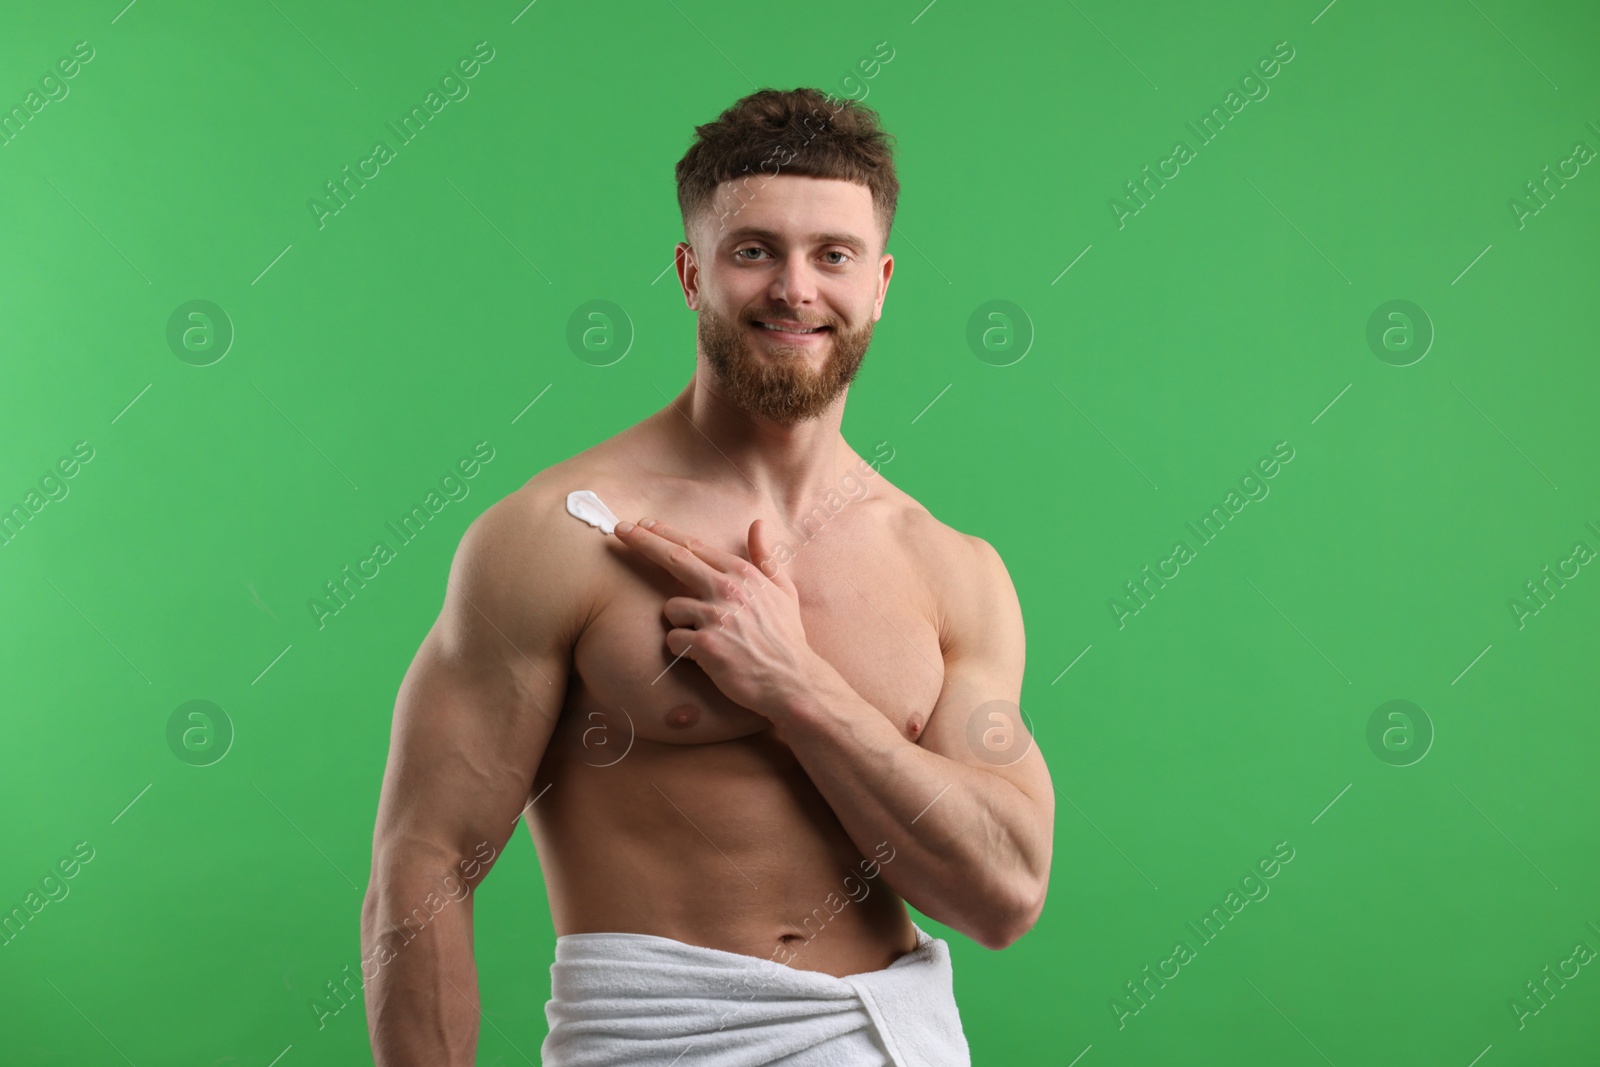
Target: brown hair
(793, 131)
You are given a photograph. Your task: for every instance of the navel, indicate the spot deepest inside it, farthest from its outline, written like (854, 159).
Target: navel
(683, 716)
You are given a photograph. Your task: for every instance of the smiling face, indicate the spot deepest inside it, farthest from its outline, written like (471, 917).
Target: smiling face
(788, 279)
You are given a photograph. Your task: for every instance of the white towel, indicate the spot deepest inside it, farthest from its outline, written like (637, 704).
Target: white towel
(648, 1001)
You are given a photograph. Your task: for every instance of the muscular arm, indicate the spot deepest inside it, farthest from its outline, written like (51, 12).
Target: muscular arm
(471, 722)
(969, 808)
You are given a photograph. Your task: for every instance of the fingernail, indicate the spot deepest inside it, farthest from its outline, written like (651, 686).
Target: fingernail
(624, 527)
(647, 523)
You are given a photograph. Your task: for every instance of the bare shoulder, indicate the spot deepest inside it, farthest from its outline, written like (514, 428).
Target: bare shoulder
(525, 566)
(964, 573)
(943, 547)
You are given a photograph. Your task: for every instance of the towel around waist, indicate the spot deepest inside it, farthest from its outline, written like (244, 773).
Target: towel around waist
(643, 999)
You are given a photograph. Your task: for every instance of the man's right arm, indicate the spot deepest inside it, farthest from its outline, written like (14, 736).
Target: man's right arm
(471, 723)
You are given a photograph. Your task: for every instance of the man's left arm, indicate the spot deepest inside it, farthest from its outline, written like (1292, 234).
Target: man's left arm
(969, 808)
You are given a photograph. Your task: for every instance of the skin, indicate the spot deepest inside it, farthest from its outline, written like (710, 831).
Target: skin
(762, 719)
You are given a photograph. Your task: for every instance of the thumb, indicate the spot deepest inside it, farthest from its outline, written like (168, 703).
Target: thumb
(762, 555)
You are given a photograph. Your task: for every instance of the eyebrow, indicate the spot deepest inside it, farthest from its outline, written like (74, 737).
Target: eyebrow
(846, 239)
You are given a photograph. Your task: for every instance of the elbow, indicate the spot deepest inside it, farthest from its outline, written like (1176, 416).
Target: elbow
(1011, 923)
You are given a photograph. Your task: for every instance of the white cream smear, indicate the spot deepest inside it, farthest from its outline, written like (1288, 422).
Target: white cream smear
(583, 504)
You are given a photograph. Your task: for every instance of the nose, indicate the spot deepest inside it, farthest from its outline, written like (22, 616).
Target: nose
(794, 284)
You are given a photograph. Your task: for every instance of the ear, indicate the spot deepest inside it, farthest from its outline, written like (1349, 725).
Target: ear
(886, 269)
(762, 555)
(688, 273)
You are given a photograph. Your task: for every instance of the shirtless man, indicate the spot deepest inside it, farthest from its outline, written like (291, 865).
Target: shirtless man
(714, 719)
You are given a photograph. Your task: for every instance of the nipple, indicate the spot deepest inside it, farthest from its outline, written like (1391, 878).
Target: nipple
(913, 727)
(583, 504)
(683, 716)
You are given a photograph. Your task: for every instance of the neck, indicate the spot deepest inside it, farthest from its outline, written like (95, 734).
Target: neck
(786, 466)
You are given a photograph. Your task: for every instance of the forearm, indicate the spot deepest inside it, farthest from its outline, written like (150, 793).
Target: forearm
(422, 1004)
(968, 851)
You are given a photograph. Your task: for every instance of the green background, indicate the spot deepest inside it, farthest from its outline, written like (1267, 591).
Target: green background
(1231, 313)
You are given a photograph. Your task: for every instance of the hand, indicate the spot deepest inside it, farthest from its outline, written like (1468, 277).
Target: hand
(741, 624)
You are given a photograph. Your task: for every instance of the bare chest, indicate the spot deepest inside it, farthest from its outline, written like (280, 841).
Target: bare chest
(866, 608)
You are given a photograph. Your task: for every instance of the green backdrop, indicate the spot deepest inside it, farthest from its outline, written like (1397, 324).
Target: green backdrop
(1371, 274)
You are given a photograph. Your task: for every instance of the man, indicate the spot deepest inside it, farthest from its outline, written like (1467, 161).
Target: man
(745, 730)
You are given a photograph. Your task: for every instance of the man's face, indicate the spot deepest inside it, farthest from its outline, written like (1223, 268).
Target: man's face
(789, 251)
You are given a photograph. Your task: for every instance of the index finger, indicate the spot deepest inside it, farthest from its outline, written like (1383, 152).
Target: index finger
(677, 558)
(726, 562)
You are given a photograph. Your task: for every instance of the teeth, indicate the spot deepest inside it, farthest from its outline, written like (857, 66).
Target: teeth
(780, 329)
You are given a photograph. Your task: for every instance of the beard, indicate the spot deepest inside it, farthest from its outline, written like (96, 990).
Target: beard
(779, 384)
